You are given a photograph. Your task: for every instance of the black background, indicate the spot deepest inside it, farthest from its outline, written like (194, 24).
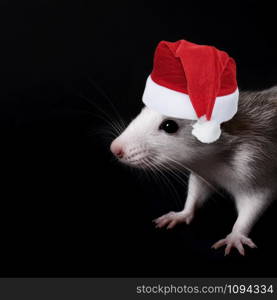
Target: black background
(67, 209)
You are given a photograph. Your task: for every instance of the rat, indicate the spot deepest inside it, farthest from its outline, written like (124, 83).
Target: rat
(243, 161)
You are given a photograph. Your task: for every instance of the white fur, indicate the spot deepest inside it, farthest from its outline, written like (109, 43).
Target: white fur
(250, 204)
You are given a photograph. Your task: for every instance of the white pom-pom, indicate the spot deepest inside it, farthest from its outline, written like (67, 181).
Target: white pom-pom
(206, 131)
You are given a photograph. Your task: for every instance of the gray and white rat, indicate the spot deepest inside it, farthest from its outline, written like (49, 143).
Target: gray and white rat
(243, 161)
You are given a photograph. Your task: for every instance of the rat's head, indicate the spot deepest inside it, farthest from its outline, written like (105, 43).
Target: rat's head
(153, 139)
(179, 85)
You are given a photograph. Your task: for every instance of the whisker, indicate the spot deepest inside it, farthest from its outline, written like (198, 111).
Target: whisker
(157, 177)
(174, 174)
(182, 167)
(175, 194)
(102, 131)
(149, 171)
(105, 117)
(102, 92)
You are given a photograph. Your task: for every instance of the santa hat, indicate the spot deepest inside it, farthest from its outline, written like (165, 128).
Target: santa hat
(194, 82)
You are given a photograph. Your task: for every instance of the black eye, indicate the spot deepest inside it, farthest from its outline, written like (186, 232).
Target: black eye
(169, 126)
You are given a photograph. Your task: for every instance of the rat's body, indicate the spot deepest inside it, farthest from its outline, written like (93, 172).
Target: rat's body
(243, 161)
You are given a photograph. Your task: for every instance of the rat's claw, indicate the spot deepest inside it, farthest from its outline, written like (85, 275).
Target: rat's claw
(219, 244)
(249, 243)
(234, 240)
(171, 224)
(173, 218)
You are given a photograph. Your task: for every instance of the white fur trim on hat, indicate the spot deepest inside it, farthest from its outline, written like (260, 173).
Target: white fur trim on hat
(178, 105)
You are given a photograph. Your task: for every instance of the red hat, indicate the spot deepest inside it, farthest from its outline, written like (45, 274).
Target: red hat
(194, 82)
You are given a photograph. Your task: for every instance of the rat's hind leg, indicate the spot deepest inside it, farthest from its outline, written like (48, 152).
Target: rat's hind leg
(198, 191)
(250, 207)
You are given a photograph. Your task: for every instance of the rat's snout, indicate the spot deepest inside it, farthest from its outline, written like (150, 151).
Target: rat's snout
(117, 148)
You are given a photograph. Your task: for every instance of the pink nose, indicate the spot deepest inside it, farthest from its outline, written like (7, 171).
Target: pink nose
(116, 149)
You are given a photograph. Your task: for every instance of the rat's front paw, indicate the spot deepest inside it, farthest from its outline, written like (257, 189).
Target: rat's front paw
(234, 240)
(173, 218)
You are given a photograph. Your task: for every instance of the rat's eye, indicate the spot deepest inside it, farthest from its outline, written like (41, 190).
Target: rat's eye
(169, 126)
